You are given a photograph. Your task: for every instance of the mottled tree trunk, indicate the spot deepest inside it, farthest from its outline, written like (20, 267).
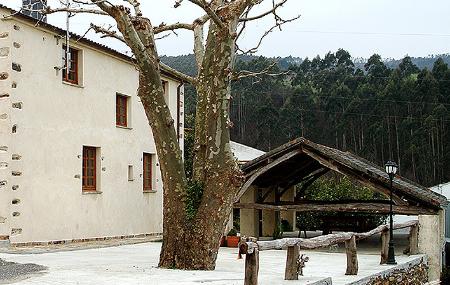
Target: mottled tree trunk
(138, 34)
(214, 164)
(191, 241)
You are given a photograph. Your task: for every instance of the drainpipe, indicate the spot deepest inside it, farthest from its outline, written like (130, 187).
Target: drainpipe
(179, 109)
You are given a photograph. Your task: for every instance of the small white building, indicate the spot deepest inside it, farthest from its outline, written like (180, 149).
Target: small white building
(244, 153)
(77, 155)
(444, 190)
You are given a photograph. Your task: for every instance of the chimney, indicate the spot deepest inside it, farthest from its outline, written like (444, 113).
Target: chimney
(32, 7)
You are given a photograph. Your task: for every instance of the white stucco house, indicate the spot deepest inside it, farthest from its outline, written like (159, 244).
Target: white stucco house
(77, 156)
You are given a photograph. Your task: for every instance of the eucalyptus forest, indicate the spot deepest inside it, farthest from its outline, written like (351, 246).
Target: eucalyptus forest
(371, 109)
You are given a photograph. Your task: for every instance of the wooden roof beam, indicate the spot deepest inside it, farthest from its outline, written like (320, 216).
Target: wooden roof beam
(348, 172)
(263, 170)
(371, 208)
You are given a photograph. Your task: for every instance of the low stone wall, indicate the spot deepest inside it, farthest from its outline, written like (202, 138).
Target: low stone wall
(414, 272)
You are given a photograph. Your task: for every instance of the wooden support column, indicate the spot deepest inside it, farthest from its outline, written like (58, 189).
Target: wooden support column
(277, 229)
(249, 217)
(414, 240)
(291, 271)
(384, 246)
(352, 258)
(251, 267)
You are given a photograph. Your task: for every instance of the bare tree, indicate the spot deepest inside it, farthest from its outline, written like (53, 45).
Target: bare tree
(191, 241)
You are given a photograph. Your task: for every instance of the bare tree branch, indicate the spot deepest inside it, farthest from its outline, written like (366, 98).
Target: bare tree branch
(199, 47)
(107, 32)
(164, 36)
(49, 10)
(136, 5)
(266, 71)
(164, 28)
(212, 14)
(278, 24)
(272, 11)
(88, 2)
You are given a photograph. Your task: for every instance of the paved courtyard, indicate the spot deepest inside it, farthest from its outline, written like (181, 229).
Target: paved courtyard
(137, 264)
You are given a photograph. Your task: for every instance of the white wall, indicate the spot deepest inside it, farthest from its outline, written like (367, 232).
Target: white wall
(431, 242)
(57, 119)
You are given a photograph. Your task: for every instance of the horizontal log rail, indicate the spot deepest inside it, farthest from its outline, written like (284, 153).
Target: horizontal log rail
(355, 207)
(251, 248)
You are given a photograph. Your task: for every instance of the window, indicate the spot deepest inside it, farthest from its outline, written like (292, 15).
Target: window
(164, 85)
(147, 173)
(89, 169)
(71, 64)
(121, 110)
(130, 173)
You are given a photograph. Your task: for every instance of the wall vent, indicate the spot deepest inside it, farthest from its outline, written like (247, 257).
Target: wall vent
(17, 105)
(16, 232)
(17, 67)
(4, 75)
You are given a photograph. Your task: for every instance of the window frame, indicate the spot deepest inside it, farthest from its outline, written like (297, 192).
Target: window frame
(75, 59)
(87, 155)
(122, 105)
(147, 172)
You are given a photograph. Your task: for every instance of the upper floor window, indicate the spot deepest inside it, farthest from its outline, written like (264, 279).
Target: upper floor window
(164, 85)
(121, 110)
(89, 169)
(71, 65)
(148, 173)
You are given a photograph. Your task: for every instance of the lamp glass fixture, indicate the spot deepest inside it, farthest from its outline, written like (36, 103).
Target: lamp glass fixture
(391, 167)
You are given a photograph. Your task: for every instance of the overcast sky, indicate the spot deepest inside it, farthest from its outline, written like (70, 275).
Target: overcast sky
(391, 28)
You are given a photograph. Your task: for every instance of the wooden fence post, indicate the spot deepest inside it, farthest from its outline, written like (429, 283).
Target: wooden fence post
(291, 271)
(251, 268)
(413, 240)
(352, 257)
(384, 246)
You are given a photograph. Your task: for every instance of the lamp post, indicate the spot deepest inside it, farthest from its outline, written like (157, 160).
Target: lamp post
(391, 170)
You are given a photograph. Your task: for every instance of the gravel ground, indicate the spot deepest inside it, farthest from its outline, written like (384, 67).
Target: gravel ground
(10, 270)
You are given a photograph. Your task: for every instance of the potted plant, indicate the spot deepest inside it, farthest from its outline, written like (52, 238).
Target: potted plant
(223, 241)
(233, 238)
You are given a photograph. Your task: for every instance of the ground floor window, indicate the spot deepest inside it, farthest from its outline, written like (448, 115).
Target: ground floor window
(148, 173)
(89, 169)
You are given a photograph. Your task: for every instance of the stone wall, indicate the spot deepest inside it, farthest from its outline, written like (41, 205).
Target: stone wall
(414, 272)
(5, 127)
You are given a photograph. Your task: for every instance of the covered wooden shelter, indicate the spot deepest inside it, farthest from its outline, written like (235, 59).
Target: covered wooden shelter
(270, 181)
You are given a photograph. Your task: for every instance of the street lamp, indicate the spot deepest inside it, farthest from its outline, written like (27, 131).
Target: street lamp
(391, 170)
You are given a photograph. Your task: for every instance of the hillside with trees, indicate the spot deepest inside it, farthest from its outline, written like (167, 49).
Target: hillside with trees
(377, 112)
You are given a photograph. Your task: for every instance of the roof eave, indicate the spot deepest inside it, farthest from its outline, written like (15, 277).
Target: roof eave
(82, 40)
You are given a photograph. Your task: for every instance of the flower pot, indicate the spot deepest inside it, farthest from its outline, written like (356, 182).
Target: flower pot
(233, 241)
(223, 241)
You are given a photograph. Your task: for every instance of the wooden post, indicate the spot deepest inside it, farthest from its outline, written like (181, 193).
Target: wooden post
(384, 246)
(352, 258)
(251, 268)
(291, 271)
(414, 240)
